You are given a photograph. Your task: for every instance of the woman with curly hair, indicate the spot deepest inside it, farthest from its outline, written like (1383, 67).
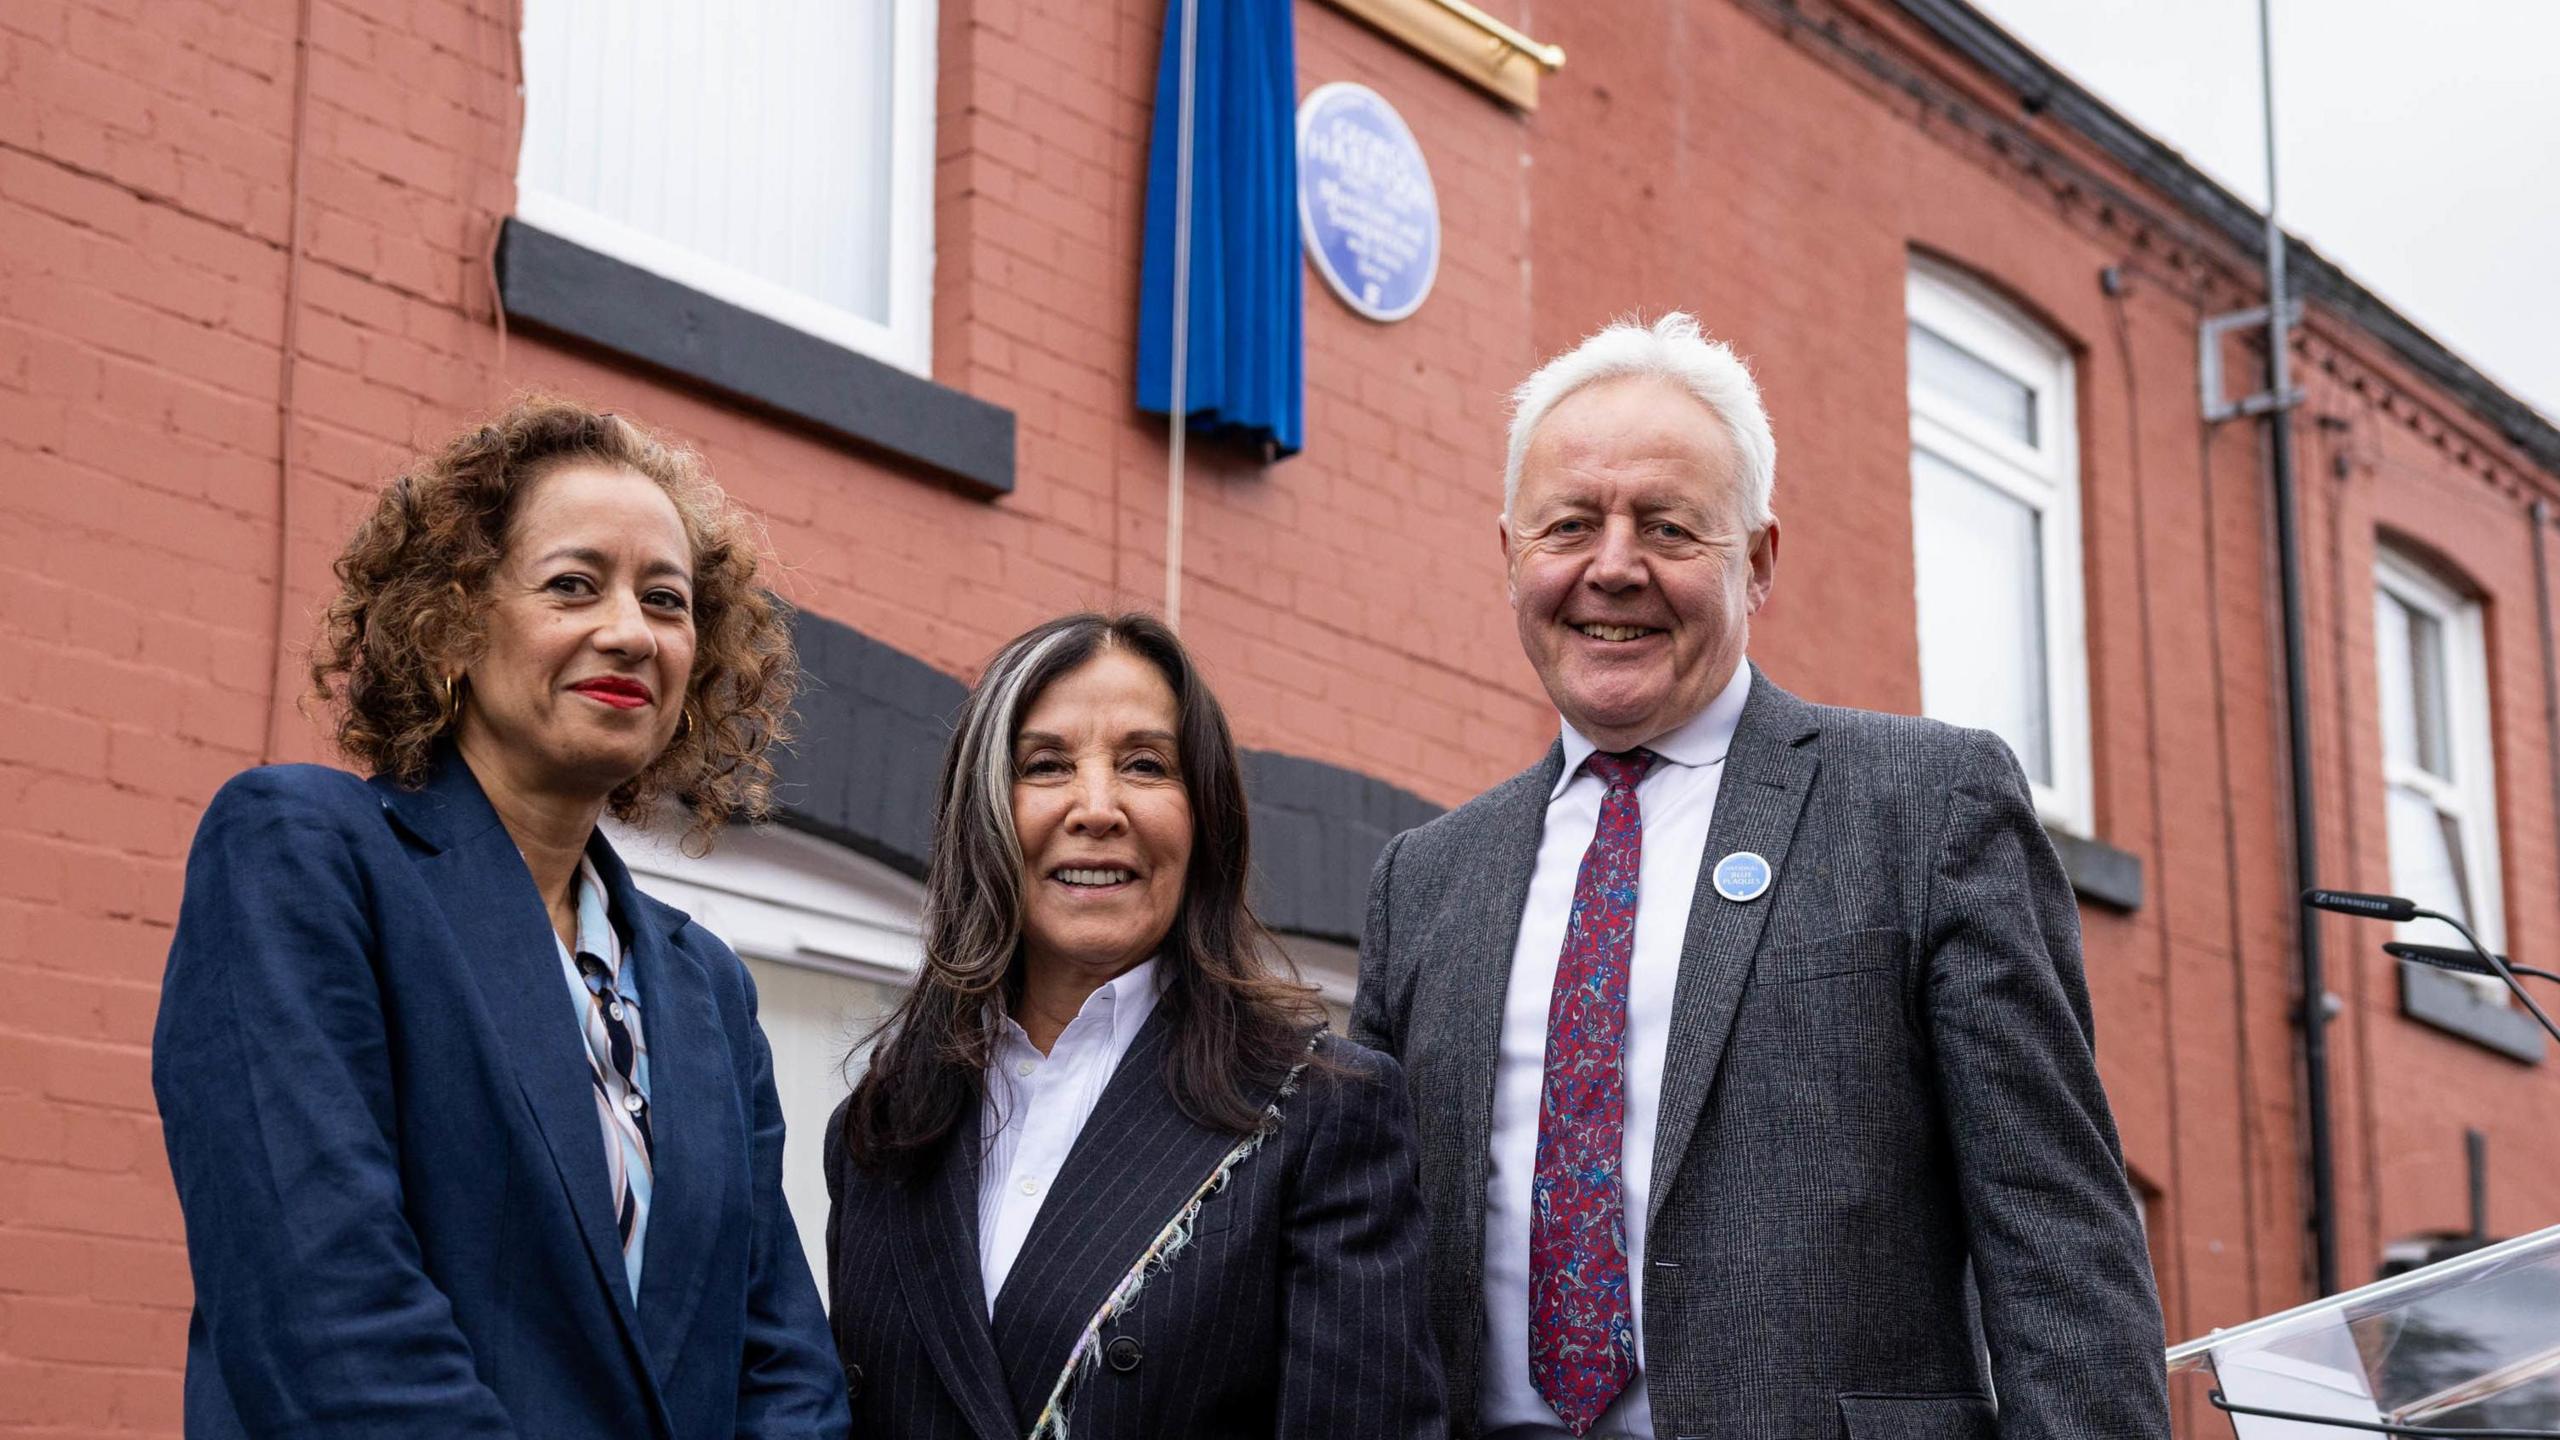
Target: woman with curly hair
(472, 1136)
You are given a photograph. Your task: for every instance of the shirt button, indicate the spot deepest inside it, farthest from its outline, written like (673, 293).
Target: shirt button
(633, 1103)
(614, 1009)
(1030, 1187)
(1026, 1067)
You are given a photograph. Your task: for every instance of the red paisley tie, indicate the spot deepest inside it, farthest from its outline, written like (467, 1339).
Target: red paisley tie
(1582, 1331)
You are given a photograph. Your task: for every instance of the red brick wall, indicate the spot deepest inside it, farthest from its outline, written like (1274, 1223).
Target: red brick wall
(1348, 600)
(139, 212)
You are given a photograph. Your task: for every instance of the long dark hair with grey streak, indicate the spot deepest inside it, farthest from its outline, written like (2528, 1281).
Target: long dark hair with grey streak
(1240, 1016)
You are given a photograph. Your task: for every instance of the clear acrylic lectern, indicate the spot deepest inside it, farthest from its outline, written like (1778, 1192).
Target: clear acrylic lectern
(2468, 1343)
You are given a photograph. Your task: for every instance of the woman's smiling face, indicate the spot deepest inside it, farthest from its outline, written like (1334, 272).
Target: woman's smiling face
(1103, 817)
(588, 640)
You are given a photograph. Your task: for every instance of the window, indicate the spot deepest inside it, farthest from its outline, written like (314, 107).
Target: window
(832, 940)
(2440, 792)
(1995, 521)
(784, 165)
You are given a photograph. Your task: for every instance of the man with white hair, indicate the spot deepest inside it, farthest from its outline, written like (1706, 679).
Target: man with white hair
(1748, 1036)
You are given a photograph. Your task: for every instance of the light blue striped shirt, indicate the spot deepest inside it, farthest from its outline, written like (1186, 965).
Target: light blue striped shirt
(597, 937)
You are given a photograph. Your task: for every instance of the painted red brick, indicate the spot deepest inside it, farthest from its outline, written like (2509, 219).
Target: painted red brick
(1347, 601)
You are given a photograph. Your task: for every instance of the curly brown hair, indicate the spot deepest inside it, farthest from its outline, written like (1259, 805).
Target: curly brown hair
(413, 592)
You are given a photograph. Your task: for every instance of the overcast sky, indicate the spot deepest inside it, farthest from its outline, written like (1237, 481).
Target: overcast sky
(2419, 142)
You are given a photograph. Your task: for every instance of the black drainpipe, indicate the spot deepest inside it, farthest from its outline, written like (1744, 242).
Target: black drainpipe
(2314, 1015)
(2314, 1010)
(2540, 513)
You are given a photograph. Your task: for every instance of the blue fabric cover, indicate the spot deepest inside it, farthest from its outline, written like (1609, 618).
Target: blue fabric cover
(1247, 357)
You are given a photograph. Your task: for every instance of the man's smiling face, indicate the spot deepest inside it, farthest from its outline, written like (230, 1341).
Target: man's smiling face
(1632, 572)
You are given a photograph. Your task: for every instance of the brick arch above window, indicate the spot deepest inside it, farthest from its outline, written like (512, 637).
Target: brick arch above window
(2436, 563)
(1989, 289)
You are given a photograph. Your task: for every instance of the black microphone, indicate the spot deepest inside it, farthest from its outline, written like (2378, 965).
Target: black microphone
(2445, 957)
(2370, 907)
(2397, 907)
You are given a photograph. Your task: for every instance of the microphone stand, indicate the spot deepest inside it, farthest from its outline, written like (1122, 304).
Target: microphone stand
(2497, 967)
(2397, 908)
(2445, 957)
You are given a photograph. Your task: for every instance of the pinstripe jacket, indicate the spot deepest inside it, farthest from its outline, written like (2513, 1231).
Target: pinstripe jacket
(1880, 1070)
(1296, 1312)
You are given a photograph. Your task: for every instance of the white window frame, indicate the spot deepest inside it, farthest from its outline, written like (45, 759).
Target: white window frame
(2471, 797)
(906, 340)
(2044, 476)
(782, 896)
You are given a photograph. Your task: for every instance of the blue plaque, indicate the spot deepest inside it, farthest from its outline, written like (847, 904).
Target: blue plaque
(1365, 202)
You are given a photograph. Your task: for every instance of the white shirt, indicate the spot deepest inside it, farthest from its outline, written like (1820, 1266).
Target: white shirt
(1037, 1104)
(1677, 799)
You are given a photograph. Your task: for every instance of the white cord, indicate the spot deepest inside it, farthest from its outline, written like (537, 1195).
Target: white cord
(1180, 418)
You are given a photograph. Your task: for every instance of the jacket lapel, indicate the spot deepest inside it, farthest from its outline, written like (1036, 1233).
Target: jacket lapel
(506, 942)
(1483, 930)
(694, 1145)
(1136, 1161)
(938, 1271)
(1767, 774)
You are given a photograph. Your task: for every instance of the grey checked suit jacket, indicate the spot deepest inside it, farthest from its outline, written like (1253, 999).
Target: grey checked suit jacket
(1879, 1070)
(1297, 1312)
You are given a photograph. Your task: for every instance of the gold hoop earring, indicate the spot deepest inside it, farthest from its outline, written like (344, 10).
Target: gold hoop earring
(452, 701)
(684, 725)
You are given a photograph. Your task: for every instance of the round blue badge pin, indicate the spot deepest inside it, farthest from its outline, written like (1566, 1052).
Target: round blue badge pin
(1742, 876)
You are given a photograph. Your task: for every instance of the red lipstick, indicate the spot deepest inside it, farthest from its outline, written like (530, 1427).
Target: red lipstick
(619, 691)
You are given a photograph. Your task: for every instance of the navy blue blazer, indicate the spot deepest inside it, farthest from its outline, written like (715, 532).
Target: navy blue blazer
(379, 1117)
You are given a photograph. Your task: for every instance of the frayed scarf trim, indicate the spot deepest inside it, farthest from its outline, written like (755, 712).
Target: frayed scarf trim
(1160, 1252)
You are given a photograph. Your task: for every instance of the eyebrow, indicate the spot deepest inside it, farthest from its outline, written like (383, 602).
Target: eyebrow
(1043, 737)
(1645, 506)
(588, 555)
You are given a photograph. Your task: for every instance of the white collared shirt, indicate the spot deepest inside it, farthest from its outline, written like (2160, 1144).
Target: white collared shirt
(1677, 800)
(1036, 1106)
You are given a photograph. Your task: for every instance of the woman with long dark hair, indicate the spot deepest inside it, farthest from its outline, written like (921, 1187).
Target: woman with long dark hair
(1106, 1168)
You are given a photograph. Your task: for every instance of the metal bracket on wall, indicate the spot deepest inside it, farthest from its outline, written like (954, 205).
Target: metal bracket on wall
(1465, 41)
(2209, 338)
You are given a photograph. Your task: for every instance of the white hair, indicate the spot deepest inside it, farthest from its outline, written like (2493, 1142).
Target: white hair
(987, 730)
(1672, 348)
